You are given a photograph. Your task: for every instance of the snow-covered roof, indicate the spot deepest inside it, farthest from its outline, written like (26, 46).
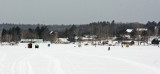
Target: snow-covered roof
(86, 35)
(142, 29)
(93, 36)
(127, 36)
(85, 38)
(31, 40)
(63, 39)
(127, 41)
(129, 30)
(76, 37)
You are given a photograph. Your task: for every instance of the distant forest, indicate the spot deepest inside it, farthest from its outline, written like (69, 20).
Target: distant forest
(103, 29)
(33, 26)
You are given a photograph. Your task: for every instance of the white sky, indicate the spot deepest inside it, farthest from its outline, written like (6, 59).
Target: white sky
(78, 11)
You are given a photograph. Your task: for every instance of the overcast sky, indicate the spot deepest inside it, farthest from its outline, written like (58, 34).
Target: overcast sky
(78, 11)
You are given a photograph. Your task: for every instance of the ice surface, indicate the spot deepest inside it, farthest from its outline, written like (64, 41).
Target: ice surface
(71, 59)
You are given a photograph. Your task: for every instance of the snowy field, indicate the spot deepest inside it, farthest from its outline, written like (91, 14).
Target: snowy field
(70, 59)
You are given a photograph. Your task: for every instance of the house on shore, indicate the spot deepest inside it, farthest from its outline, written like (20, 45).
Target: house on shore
(128, 36)
(31, 41)
(61, 41)
(86, 38)
(139, 32)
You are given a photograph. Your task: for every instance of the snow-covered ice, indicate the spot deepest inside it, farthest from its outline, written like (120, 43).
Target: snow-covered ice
(71, 59)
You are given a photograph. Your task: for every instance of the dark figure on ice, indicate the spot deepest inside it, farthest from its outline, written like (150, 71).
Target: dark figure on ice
(108, 48)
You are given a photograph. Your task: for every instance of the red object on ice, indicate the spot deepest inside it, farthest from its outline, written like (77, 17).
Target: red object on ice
(30, 45)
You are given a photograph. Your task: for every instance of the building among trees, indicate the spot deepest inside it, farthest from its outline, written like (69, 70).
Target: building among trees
(31, 41)
(61, 41)
(103, 30)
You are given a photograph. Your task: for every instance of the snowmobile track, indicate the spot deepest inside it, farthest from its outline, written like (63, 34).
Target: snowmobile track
(139, 65)
(22, 65)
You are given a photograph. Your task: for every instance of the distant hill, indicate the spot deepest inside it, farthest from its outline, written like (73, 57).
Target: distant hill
(26, 26)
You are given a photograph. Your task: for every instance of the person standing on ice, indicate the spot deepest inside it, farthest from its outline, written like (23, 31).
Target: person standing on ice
(108, 48)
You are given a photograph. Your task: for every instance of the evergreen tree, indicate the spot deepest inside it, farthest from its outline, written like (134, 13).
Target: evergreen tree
(38, 32)
(144, 36)
(71, 33)
(4, 32)
(133, 33)
(159, 23)
(44, 31)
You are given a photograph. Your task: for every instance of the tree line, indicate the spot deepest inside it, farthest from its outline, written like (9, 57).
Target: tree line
(102, 30)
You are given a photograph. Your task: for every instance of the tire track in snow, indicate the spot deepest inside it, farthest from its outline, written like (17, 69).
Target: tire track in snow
(21, 61)
(70, 64)
(18, 60)
(23, 66)
(140, 65)
(2, 59)
(54, 65)
(30, 70)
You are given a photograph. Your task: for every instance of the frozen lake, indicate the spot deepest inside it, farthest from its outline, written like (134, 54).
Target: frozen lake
(70, 59)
